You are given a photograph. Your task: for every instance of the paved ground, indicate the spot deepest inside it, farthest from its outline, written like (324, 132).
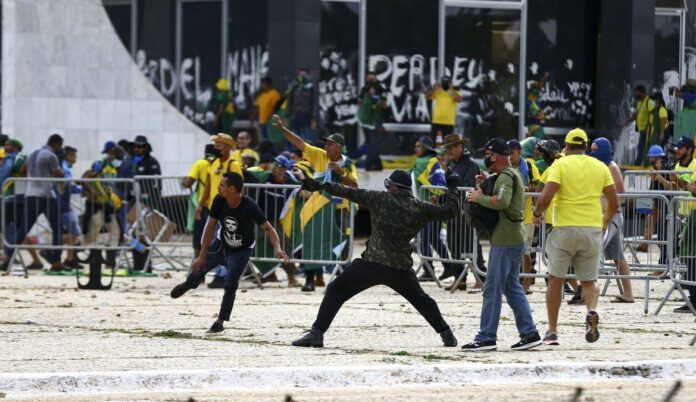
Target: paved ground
(49, 326)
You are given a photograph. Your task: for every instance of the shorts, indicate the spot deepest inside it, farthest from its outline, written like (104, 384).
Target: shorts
(528, 237)
(613, 240)
(579, 246)
(198, 227)
(70, 224)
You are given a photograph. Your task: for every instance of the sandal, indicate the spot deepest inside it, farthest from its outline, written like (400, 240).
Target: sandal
(619, 299)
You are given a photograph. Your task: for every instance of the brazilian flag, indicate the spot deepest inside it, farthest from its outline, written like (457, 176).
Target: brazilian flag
(321, 234)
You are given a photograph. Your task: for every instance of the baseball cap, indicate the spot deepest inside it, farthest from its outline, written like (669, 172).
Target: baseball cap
(498, 146)
(399, 178)
(576, 137)
(108, 146)
(685, 141)
(514, 144)
(337, 138)
(283, 161)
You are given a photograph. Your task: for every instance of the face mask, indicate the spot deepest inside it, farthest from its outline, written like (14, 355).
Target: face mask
(116, 163)
(138, 159)
(488, 162)
(604, 151)
(446, 87)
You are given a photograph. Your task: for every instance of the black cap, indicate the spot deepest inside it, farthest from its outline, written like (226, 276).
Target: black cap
(337, 138)
(498, 146)
(685, 141)
(514, 144)
(399, 178)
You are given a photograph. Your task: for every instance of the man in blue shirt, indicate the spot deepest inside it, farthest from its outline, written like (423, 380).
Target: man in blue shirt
(71, 225)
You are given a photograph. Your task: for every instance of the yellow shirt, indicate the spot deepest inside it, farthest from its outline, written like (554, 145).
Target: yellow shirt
(237, 155)
(643, 110)
(529, 201)
(216, 171)
(319, 160)
(444, 107)
(199, 173)
(581, 180)
(266, 103)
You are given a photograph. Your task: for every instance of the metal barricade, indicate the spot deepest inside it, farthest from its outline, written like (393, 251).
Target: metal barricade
(166, 220)
(682, 249)
(315, 230)
(76, 214)
(453, 243)
(642, 180)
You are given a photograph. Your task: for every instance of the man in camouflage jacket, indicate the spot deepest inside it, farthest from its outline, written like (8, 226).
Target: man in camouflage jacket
(396, 217)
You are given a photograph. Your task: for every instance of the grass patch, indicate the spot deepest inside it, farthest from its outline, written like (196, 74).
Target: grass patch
(401, 353)
(171, 334)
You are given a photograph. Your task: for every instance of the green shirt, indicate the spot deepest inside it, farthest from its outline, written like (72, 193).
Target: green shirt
(510, 206)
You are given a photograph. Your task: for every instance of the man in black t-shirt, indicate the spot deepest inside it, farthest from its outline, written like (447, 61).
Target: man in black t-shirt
(238, 216)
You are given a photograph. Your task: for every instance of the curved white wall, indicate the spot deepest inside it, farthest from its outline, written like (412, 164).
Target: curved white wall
(64, 70)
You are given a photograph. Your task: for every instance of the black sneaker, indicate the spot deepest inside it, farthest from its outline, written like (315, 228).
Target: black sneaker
(425, 277)
(683, 309)
(480, 346)
(217, 283)
(527, 343)
(591, 323)
(308, 287)
(312, 338)
(551, 338)
(179, 290)
(216, 328)
(567, 289)
(448, 338)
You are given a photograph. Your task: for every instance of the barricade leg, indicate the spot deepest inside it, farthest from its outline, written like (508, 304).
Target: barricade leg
(95, 265)
(664, 299)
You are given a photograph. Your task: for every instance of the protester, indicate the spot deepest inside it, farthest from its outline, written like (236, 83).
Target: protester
(244, 145)
(224, 144)
(577, 181)
(70, 223)
(658, 218)
(445, 97)
(545, 152)
(144, 164)
(661, 131)
(372, 101)
(427, 171)
(198, 174)
(266, 103)
(534, 113)
(103, 204)
(396, 217)
(684, 154)
(238, 216)
(688, 93)
(330, 165)
(300, 105)
(460, 239)
(505, 257)
(222, 107)
(687, 248)
(613, 240)
(644, 107)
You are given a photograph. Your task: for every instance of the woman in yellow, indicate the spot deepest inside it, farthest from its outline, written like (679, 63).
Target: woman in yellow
(658, 121)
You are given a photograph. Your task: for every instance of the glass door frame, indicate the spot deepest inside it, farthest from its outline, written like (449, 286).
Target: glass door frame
(677, 12)
(521, 6)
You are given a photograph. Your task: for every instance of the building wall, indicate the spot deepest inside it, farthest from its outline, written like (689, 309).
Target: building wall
(64, 70)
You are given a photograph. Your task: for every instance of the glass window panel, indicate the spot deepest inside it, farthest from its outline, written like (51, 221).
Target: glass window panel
(482, 53)
(338, 75)
(120, 16)
(667, 55)
(401, 47)
(155, 55)
(201, 42)
(568, 55)
(247, 58)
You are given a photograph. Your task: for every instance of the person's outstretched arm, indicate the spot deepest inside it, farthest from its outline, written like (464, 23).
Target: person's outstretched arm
(365, 197)
(292, 138)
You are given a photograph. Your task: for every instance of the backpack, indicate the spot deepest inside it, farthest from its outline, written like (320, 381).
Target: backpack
(482, 219)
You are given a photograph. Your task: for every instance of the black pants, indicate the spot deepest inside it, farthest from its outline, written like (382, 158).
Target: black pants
(361, 275)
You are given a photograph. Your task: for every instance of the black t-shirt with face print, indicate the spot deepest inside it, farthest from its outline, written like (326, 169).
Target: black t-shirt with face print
(237, 225)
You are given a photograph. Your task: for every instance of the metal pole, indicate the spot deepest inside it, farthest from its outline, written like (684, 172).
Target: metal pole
(441, 40)
(225, 33)
(522, 69)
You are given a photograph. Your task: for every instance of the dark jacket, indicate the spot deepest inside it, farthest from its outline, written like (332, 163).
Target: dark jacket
(467, 170)
(395, 219)
(301, 99)
(150, 189)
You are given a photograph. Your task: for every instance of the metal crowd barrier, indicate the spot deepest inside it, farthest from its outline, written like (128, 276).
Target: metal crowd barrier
(453, 243)
(314, 230)
(641, 180)
(682, 250)
(76, 214)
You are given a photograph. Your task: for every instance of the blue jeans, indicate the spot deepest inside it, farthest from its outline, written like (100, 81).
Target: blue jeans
(373, 141)
(302, 126)
(503, 278)
(235, 262)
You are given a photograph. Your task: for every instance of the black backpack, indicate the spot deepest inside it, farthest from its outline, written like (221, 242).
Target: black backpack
(482, 219)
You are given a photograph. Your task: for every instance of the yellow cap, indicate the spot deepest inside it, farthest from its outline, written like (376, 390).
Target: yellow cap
(224, 138)
(250, 153)
(576, 137)
(222, 84)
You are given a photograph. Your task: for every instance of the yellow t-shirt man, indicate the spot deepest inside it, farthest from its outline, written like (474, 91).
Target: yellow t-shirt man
(216, 170)
(644, 109)
(266, 103)
(581, 180)
(199, 173)
(319, 160)
(444, 107)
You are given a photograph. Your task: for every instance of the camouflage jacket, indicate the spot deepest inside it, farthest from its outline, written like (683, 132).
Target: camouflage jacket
(395, 219)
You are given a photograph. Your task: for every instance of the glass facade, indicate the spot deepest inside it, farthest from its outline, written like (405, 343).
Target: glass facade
(667, 42)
